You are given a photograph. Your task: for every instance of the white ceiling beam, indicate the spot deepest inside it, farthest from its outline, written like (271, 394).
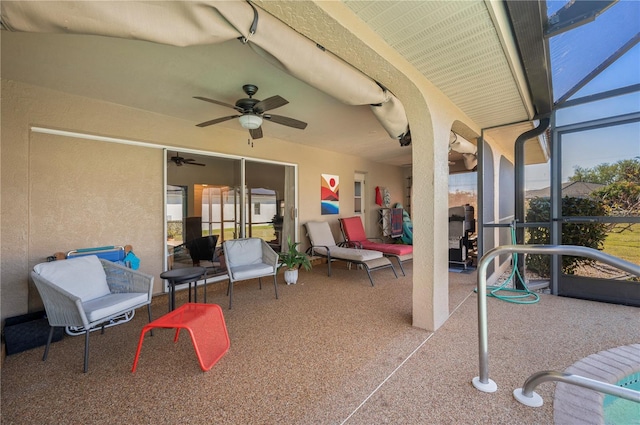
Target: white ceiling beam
(498, 14)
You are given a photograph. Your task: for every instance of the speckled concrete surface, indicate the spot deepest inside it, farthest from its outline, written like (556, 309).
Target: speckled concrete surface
(329, 351)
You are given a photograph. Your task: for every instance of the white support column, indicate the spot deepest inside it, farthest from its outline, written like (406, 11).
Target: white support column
(429, 215)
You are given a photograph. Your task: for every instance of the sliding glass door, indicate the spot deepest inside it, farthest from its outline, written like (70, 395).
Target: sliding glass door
(226, 197)
(270, 202)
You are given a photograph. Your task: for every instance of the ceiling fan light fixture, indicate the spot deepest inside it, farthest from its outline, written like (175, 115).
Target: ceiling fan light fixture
(251, 112)
(250, 121)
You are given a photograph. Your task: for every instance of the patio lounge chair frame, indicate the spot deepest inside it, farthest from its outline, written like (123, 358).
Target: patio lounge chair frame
(353, 226)
(320, 236)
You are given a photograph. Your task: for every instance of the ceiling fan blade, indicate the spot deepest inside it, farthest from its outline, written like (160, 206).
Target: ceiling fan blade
(256, 133)
(289, 122)
(191, 161)
(271, 103)
(217, 120)
(217, 102)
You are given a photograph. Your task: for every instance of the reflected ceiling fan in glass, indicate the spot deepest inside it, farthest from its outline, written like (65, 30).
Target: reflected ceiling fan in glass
(180, 161)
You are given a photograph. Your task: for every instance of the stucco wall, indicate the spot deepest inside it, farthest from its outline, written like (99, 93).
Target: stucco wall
(61, 193)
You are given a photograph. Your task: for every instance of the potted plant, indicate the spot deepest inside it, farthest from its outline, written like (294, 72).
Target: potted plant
(293, 260)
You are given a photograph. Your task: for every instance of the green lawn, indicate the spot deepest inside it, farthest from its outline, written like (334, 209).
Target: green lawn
(625, 245)
(263, 231)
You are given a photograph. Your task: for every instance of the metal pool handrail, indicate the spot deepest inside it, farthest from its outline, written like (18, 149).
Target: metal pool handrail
(528, 397)
(482, 382)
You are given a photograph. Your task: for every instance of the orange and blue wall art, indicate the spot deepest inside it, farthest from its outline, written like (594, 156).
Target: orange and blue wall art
(330, 194)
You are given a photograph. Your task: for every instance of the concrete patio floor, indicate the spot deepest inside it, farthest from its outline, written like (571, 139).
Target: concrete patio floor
(331, 350)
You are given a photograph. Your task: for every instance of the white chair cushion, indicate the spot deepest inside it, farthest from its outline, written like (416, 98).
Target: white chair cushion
(99, 308)
(83, 277)
(243, 251)
(250, 271)
(320, 233)
(351, 254)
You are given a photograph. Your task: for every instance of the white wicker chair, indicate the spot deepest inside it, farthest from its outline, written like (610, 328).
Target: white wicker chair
(249, 258)
(89, 292)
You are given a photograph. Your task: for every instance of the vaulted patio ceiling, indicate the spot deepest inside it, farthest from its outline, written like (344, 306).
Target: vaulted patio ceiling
(466, 49)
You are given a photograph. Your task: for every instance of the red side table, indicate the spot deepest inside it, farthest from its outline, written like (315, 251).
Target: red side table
(206, 326)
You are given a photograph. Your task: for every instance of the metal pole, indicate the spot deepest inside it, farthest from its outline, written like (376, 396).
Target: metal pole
(480, 191)
(555, 196)
(520, 186)
(482, 382)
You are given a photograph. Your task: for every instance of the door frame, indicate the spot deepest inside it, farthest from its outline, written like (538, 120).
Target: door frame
(242, 160)
(607, 290)
(360, 177)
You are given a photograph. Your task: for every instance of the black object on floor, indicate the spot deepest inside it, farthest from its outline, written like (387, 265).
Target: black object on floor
(28, 331)
(469, 269)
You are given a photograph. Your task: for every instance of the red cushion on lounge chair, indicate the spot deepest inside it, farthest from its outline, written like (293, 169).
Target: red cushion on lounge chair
(354, 232)
(388, 248)
(353, 229)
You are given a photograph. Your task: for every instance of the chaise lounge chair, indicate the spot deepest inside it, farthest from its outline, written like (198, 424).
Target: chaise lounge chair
(355, 236)
(324, 245)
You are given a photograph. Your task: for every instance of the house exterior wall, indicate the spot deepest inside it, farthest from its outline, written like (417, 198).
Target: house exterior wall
(61, 193)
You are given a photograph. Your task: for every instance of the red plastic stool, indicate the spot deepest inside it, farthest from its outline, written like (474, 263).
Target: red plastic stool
(206, 326)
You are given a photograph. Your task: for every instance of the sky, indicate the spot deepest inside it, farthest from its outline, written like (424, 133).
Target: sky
(588, 149)
(608, 144)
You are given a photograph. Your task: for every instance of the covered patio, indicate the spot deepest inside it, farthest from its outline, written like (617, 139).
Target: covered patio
(87, 128)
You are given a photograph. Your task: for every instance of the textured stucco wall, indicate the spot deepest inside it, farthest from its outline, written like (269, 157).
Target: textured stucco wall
(61, 193)
(89, 193)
